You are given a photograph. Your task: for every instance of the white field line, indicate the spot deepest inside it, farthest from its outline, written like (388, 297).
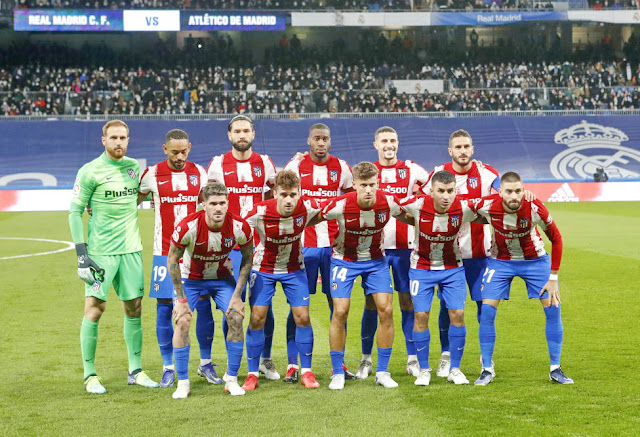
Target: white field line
(69, 244)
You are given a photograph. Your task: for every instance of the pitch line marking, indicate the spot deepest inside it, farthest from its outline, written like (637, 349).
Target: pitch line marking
(69, 244)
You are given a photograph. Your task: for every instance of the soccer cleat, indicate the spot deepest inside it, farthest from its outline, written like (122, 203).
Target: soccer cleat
(384, 379)
(347, 374)
(142, 379)
(364, 369)
(337, 382)
(183, 391)
(209, 373)
(232, 387)
(558, 376)
(485, 377)
(413, 368)
(492, 368)
(444, 367)
(269, 370)
(93, 385)
(250, 383)
(169, 378)
(292, 375)
(457, 377)
(424, 377)
(309, 380)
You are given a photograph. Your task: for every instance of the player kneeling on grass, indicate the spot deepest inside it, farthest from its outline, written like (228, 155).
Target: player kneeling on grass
(436, 261)
(203, 241)
(280, 224)
(518, 250)
(109, 186)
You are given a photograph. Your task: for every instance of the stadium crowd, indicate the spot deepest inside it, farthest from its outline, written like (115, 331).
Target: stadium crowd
(52, 79)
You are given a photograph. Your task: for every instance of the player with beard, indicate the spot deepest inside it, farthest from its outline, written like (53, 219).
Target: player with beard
(248, 177)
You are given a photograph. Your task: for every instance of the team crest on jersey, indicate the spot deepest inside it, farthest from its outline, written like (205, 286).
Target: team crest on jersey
(257, 171)
(131, 173)
(473, 182)
(193, 179)
(382, 216)
(402, 173)
(97, 285)
(299, 221)
(455, 221)
(333, 175)
(523, 223)
(228, 242)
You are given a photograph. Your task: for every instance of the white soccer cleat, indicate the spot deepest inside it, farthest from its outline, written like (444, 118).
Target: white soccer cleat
(269, 370)
(492, 368)
(183, 391)
(232, 387)
(424, 377)
(364, 369)
(457, 377)
(445, 366)
(413, 368)
(93, 385)
(384, 379)
(337, 382)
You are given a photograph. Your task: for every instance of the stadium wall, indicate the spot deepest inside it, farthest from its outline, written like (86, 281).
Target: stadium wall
(37, 154)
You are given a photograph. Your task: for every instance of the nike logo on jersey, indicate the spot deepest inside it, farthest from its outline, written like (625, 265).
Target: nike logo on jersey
(228, 173)
(162, 183)
(200, 243)
(109, 178)
(351, 220)
(271, 226)
(425, 221)
(302, 175)
(495, 218)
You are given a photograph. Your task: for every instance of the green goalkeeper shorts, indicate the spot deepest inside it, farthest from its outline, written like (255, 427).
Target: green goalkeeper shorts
(123, 271)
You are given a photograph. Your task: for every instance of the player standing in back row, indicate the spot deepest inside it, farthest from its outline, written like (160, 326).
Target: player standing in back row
(399, 178)
(175, 184)
(474, 180)
(112, 253)
(322, 177)
(248, 177)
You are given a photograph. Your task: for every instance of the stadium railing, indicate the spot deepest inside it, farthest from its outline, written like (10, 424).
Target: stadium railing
(311, 115)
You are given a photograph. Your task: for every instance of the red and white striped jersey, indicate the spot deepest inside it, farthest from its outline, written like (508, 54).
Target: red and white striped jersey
(436, 243)
(400, 180)
(175, 196)
(246, 181)
(206, 254)
(516, 235)
(474, 238)
(279, 250)
(321, 181)
(360, 231)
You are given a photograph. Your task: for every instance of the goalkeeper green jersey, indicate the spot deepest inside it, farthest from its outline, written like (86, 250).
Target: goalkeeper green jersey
(110, 188)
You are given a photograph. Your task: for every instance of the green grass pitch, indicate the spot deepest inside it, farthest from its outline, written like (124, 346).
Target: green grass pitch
(41, 390)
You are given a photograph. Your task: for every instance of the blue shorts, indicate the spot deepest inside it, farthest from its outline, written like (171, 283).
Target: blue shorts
(262, 288)
(451, 288)
(399, 261)
(236, 261)
(317, 259)
(474, 268)
(498, 275)
(375, 276)
(221, 290)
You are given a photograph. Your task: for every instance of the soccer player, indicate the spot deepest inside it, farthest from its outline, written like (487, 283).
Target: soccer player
(518, 250)
(358, 251)
(280, 223)
(323, 177)
(398, 178)
(474, 180)
(112, 251)
(248, 177)
(175, 184)
(203, 241)
(436, 260)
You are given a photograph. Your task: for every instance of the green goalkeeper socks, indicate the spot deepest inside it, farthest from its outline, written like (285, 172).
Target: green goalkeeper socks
(133, 338)
(88, 342)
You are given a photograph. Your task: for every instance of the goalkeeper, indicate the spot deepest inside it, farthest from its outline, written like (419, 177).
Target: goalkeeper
(112, 254)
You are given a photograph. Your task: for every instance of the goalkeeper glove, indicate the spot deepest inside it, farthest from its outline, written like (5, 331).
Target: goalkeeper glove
(88, 270)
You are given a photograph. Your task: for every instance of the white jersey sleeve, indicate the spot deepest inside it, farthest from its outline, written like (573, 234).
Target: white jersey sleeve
(346, 178)
(148, 181)
(214, 171)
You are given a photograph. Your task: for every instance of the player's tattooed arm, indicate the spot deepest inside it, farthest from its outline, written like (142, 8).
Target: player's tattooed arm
(173, 264)
(236, 304)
